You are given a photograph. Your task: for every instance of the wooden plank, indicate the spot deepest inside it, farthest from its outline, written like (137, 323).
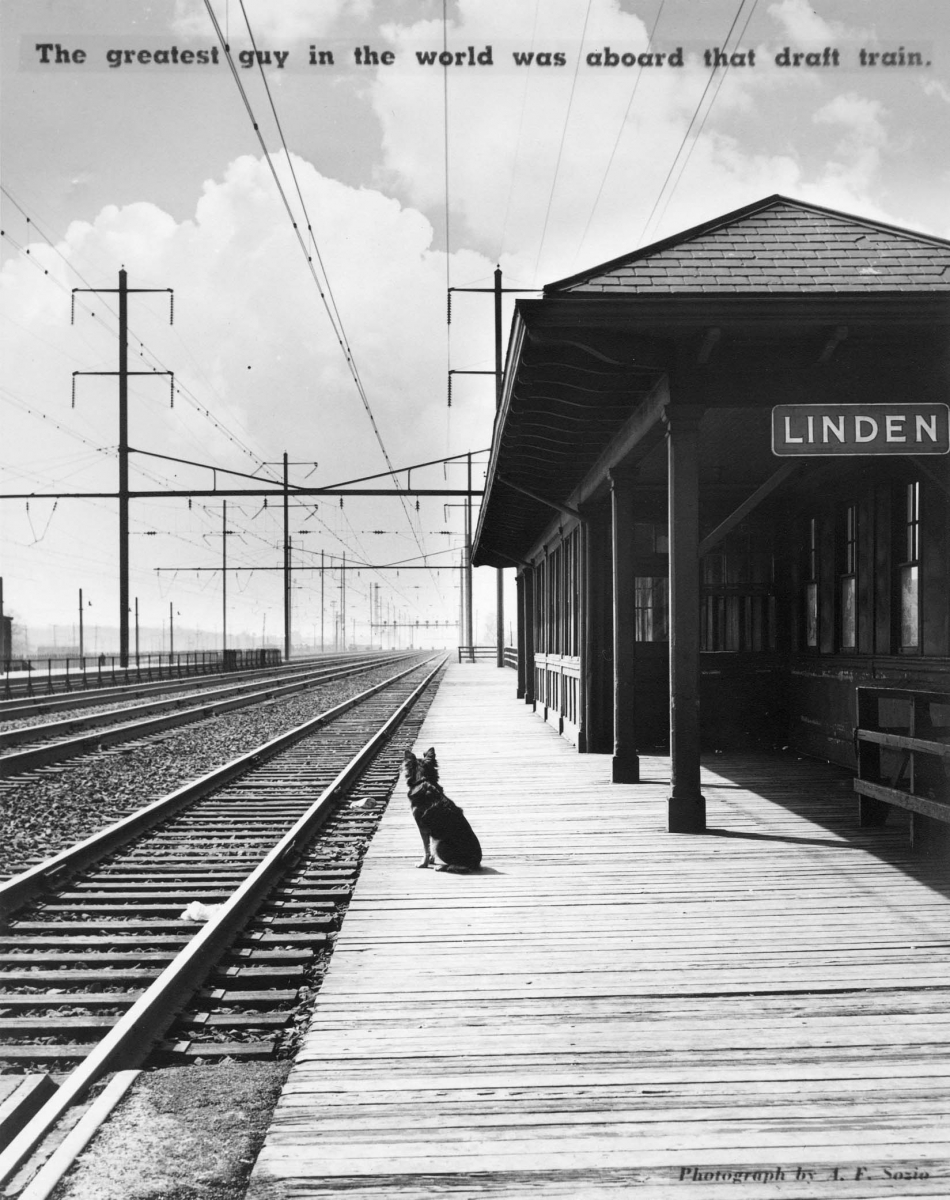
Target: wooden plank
(610, 1007)
(930, 808)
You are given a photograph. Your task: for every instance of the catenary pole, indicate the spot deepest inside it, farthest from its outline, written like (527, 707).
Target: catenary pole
(286, 563)
(499, 574)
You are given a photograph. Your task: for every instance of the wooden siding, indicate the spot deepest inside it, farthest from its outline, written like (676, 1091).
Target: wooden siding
(608, 1008)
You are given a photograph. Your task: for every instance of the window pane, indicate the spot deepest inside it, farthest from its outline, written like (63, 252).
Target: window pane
(651, 594)
(811, 614)
(909, 607)
(848, 639)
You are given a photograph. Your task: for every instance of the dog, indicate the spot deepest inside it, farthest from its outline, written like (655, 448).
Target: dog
(448, 841)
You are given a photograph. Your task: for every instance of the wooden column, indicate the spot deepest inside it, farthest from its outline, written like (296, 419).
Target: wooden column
(687, 807)
(582, 639)
(519, 593)
(528, 593)
(626, 761)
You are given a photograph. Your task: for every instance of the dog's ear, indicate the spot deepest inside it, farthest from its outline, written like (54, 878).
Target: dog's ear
(430, 753)
(409, 759)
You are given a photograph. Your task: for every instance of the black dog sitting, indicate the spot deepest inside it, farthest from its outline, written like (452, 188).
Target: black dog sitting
(449, 842)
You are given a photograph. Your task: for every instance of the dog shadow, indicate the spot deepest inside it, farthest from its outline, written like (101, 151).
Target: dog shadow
(471, 874)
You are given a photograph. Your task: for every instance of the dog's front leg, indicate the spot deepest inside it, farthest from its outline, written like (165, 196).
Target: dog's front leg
(426, 851)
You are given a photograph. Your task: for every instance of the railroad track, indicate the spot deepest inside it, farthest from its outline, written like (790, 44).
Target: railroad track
(57, 741)
(100, 967)
(25, 707)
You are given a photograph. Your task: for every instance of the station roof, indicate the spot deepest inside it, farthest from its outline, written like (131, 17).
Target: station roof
(593, 353)
(775, 245)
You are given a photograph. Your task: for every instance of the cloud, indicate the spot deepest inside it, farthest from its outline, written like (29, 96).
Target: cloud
(253, 343)
(801, 22)
(288, 20)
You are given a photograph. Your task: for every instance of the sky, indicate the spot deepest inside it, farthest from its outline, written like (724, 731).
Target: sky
(310, 257)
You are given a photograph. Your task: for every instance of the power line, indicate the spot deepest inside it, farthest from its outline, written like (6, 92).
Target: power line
(560, 149)
(689, 128)
(702, 124)
(514, 167)
(324, 289)
(180, 389)
(623, 122)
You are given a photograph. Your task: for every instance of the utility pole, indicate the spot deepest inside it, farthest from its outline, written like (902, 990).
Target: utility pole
(286, 564)
(126, 663)
(224, 580)
(322, 648)
(123, 373)
(497, 291)
(343, 604)
(124, 478)
(499, 574)
(81, 644)
(469, 637)
(171, 631)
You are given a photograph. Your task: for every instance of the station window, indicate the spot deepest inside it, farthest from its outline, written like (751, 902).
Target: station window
(557, 599)
(652, 608)
(908, 581)
(849, 558)
(651, 548)
(811, 584)
(737, 607)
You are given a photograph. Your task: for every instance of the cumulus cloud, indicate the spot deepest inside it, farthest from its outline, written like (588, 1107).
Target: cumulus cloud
(801, 22)
(562, 170)
(288, 20)
(253, 342)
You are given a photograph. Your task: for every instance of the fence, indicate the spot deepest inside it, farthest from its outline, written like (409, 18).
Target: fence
(486, 653)
(24, 676)
(902, 743)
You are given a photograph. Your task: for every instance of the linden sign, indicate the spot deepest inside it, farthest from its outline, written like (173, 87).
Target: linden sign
(836, 429)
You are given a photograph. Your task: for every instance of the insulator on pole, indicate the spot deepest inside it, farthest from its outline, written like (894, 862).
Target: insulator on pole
(450, 389)
(73, 405)
(72, 308)
(172, 388)
(448, 307)
(171, 307)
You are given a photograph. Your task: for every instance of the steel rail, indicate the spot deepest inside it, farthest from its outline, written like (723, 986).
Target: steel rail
(131, 1039)
(30, 884)
(19, 707)
(17, 761)
(304, 676)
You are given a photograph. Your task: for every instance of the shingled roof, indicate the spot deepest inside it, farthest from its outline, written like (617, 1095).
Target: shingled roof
(775, 245)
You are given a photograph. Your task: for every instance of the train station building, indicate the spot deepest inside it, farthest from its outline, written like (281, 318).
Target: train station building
(720, 469)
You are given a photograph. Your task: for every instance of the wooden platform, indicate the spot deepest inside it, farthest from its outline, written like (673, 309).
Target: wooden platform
(610, 1009)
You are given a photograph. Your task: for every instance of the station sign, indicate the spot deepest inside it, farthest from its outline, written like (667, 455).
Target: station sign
(826, 430)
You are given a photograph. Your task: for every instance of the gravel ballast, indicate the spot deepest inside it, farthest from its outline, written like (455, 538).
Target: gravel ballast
(57, 806)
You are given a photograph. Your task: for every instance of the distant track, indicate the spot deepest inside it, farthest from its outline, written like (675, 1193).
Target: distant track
(65, 739)
(23, 707)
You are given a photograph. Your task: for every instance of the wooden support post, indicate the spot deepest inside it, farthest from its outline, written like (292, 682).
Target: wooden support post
(529, 696)
(519, 592)
(626, 760)
(687, 807)
(582, 639)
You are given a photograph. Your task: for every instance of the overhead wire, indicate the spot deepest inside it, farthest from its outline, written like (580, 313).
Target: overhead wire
(702, 124)
(323, 287)
(617, 140)
(560, 149)
(180, 388)
(689, 129)
(514, 165)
